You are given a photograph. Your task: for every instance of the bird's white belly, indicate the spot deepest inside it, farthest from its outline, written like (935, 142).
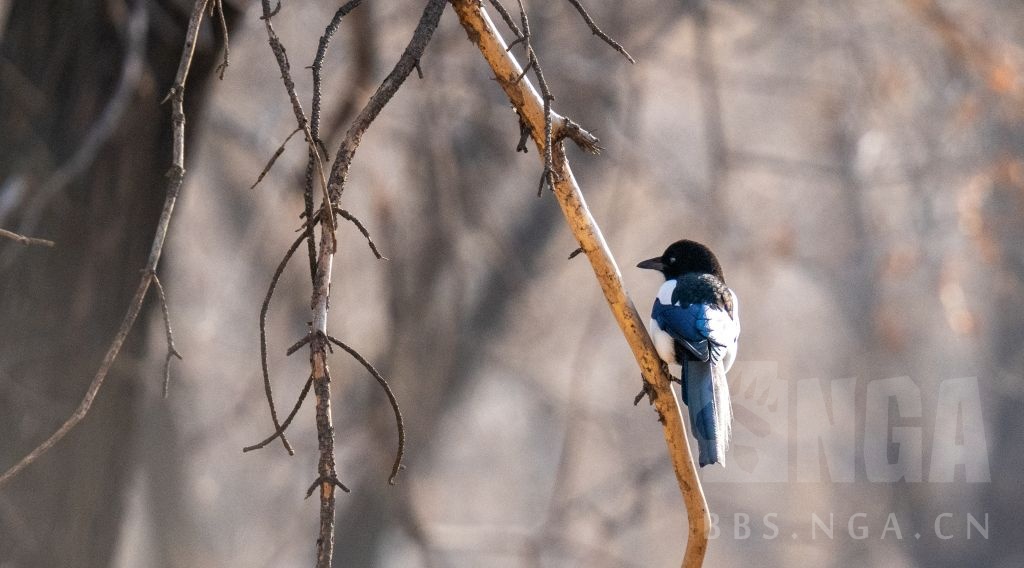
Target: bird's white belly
(663, 343)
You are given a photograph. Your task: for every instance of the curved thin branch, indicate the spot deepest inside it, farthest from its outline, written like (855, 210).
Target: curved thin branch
(263, 338)
(344, 214)
(530, 106)
(391, 398)
(287, 421)
(218, 8)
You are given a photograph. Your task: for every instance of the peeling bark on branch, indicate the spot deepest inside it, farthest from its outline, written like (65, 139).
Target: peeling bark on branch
(530, 106)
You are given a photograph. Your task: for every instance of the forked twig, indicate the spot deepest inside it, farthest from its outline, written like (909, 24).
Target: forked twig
(319, 303)
(218, 6)
(171, 350)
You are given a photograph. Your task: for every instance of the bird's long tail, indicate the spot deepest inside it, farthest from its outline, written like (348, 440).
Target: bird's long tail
(707, 396)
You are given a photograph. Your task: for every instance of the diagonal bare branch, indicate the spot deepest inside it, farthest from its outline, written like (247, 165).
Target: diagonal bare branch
(23, 240)
(598, 32)
(273, 159)
(531, 109)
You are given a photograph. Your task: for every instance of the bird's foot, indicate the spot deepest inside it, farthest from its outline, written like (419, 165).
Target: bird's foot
(647, 391)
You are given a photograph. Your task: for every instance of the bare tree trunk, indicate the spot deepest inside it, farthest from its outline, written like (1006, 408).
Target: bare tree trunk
(87, 145)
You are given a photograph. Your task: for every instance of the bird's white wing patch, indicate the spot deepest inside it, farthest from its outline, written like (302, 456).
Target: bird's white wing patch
(718, 326)
(665, 292)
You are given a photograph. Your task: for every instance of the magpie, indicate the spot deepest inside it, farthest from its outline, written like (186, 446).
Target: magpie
(695, 324)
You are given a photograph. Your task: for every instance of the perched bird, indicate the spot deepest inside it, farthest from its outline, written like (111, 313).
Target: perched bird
(695, 324)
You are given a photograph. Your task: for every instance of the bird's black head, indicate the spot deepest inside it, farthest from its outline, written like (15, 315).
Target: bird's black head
(685, 256)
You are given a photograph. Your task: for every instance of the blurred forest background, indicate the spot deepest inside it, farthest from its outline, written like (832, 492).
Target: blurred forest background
(857, 165)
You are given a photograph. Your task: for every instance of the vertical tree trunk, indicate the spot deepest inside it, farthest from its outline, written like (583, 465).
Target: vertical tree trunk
(62, 65)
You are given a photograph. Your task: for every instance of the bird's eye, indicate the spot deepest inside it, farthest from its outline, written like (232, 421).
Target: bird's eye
(672, 260)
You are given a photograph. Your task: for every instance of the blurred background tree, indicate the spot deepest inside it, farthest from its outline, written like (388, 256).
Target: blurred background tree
(856, 164)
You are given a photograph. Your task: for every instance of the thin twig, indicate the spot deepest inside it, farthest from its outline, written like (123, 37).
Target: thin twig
(575, 253)
(263, 339)
(318, 60)
(389, 86)
(298, 345)
(277, 154)
(314, 164)
(362, 229)
(175, 176)
(171, 350)
(547, 176)
(300, 119)
(597, 31)
(509, 20)
(287, 421)
(391, 398)
(282, 62)
(27, 241)
(219, 5)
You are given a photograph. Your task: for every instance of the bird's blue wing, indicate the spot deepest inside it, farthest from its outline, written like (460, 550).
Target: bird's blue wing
(706, 331)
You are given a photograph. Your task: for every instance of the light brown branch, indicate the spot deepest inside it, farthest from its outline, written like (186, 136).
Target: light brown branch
(175, 176)
(530, 106)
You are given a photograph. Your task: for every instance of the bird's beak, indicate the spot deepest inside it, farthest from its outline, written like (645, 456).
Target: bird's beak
(652, 264)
